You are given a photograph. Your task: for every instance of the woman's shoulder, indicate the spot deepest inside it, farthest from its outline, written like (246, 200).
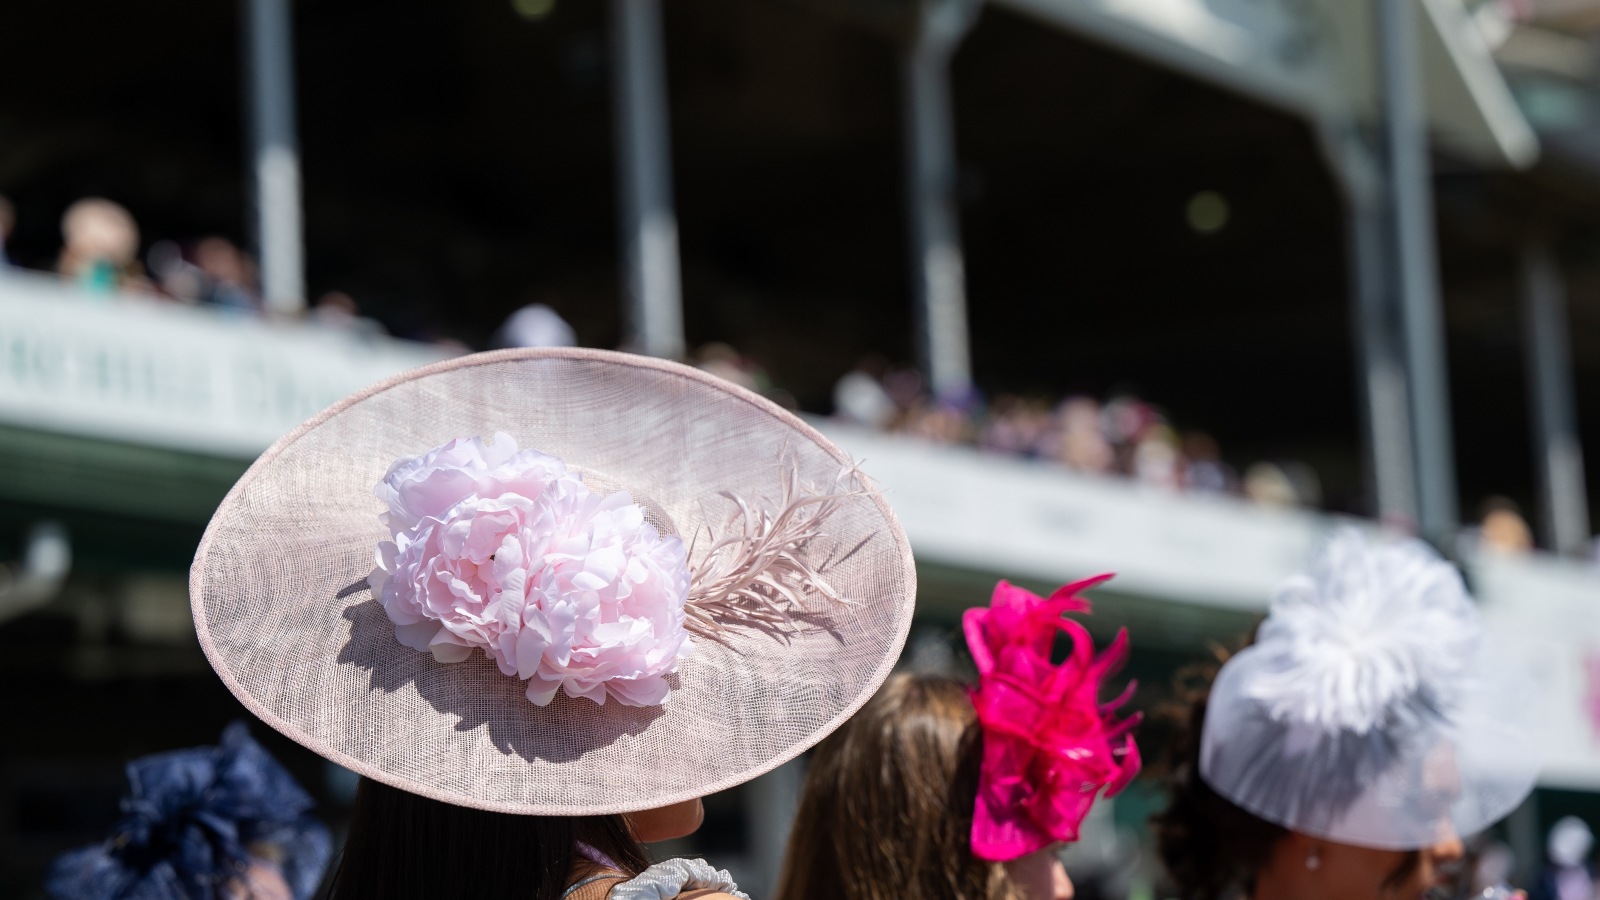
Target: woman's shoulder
(594, 886)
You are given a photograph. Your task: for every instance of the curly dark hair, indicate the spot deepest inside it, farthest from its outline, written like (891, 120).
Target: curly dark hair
(1209, 845)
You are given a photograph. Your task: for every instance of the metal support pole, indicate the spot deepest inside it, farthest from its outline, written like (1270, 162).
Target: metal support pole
(275, 155)
(653, 309)
(1391, 462)
(938, 273)
(1558, 453)
(1405, 151)
(1375, 324)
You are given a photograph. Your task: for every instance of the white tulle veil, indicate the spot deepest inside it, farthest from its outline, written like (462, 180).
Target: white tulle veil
(1373, 709)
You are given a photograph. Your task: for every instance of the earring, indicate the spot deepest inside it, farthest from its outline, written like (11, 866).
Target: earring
(1313, 860)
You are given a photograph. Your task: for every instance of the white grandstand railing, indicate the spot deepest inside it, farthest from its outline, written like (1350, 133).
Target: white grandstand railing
(978, 511)
(147, 371)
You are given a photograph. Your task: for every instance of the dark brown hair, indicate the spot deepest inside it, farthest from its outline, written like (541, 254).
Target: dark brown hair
(1208, 844)
(888, 803)
(404, 846)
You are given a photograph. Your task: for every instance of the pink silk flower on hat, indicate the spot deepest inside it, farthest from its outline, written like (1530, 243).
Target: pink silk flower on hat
(1049, 746)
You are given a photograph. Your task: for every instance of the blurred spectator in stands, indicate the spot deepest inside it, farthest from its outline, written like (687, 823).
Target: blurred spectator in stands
(1267, 484)
(230, 275)
(906, 387)
(1016, 426)
(941, 423)
(952, 416)
(337, 310)
(8, 222)
(1307, 486)
(1126, 435)
(534, 325)
(860, 398)
(1203, 469)
(1081, 437)
(177, 278)
(1125, 418)
(1502, 530)
(1570, 875)
(966, 400)
(723, 361)
(101, 246)
(1283, 484)
(1156, 461)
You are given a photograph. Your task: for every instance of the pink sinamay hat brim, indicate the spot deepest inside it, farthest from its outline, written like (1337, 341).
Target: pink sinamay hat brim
(286, 618)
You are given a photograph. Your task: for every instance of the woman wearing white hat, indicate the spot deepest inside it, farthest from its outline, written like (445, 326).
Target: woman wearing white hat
(606, 586)
(1345, 754)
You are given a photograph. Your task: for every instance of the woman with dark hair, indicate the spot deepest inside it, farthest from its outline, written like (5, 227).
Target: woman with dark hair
(404, 845)
(904, 768)
(560, 650)
(1347, 752)
(938, 791)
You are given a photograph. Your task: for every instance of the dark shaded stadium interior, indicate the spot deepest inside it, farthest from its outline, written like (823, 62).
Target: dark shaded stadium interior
(457, 164)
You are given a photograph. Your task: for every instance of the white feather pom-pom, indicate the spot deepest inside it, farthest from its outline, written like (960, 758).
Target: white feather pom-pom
(1371, 632)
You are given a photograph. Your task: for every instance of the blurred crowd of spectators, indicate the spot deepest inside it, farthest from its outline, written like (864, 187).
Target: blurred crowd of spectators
(100, 253)
(1122, 435)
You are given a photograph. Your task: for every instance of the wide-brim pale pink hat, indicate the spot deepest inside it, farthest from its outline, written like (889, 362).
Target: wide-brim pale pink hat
(286, 616)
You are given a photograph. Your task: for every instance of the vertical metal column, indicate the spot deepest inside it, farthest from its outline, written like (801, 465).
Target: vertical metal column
(938, 273)
(275, 155)
(1413, 266)
(653, 308)
(1382, 384)
(1558, 453)
(1387, 421)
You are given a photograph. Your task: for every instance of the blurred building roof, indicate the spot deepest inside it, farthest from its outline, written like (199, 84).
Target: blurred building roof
(1317, 60)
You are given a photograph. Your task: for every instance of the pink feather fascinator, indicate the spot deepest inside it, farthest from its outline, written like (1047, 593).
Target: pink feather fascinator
(1050, 747)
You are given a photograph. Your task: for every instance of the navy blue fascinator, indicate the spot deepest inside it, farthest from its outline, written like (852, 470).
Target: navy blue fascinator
(199, 824)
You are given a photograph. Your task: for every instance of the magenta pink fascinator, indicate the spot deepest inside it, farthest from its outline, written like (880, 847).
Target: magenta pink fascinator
(1050, 747)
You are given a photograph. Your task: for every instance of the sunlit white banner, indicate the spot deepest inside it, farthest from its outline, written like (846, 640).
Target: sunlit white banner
(149, 372)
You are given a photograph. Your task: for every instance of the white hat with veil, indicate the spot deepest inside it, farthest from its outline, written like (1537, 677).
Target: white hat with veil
(1372, 709)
